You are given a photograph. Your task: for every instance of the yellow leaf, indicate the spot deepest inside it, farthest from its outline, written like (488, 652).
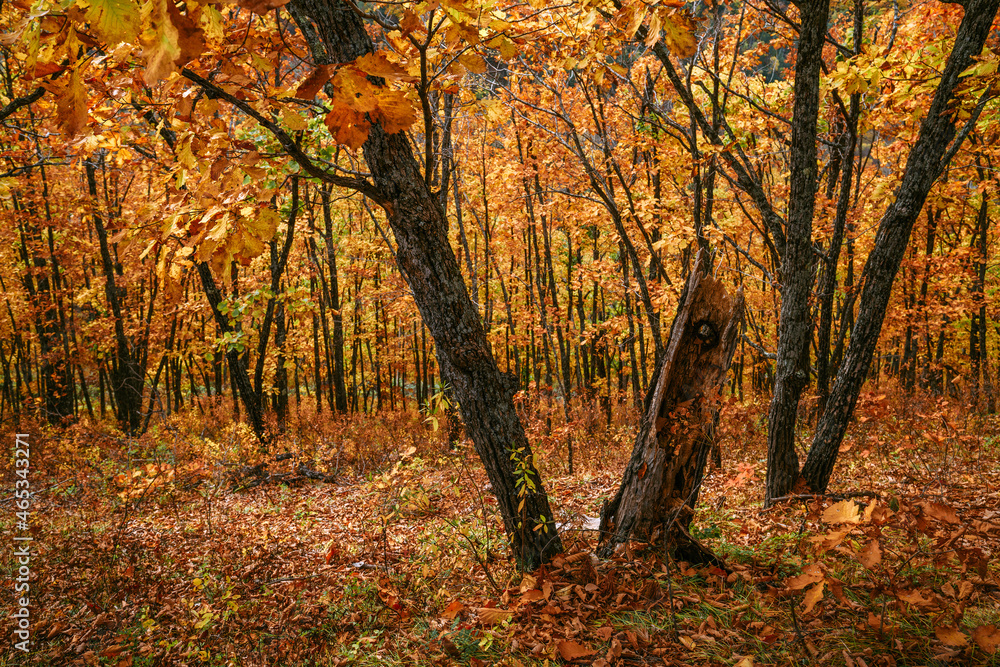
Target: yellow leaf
(688, 642)
(654, 30)
(293, 120)
(635, 15)
(846, 511)
(114, 20)
(678, 34)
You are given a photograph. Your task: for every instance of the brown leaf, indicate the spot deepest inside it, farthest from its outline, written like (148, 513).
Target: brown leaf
(951, 636)
(492, 615)
(917, 598)
(571, 650)
(987, 637)
(71, 105)
(940, 511)
(871, 555)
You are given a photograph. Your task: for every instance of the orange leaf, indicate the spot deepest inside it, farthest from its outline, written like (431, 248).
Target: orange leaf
(811, 574)
(940, 511)
(453, 610)
(394, 111)
(71, 105)
(262, 6)
(813, 595)
(376, 64)
(951, 636)
(348, 127)
(571, 650)
(492, 615)
(312, 83)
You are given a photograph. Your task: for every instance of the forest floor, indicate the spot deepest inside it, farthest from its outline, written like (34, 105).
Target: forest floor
(145, 554)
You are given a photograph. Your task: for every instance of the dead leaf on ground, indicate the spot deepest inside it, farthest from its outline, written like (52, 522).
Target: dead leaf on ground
(570, 650)
(846, 511)
(987, 637)
(951, 636)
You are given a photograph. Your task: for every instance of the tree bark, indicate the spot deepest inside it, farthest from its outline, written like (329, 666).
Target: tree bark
(797, 262)
(425, 257)
(660, 486)
(925, 163)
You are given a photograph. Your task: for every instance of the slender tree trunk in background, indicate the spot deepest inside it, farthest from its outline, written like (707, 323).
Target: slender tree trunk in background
(51, 373)
(339, 386)
(425, 257)
(659, 489)
(797, 262)
(828, 284)
(280, 372)
(279, 260)
(926, 161)
(128, 380)
(237, 366)
(983, 384)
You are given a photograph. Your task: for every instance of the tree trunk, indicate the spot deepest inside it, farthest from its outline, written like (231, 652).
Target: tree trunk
(924, 165)
(659, 489)
(798, 260)
(427, 261)
(127, 380)
(237, 365)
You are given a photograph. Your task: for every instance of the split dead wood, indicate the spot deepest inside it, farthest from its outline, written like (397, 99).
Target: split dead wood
(659, 489)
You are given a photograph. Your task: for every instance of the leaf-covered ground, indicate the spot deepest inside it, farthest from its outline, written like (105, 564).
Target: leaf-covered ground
(150, 553)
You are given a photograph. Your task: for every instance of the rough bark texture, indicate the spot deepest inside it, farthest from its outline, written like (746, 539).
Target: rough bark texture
(427, 261)
(660, 485)
(797, 262)
(925, 163)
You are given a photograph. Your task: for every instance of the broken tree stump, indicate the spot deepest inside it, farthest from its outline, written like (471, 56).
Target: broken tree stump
(659, 488)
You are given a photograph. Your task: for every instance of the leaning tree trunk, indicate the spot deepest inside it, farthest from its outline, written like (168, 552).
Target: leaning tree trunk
(336, 34)
(926, 161)
(660, 485)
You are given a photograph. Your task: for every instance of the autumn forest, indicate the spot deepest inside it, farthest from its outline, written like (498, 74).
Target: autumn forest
(468, 332)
